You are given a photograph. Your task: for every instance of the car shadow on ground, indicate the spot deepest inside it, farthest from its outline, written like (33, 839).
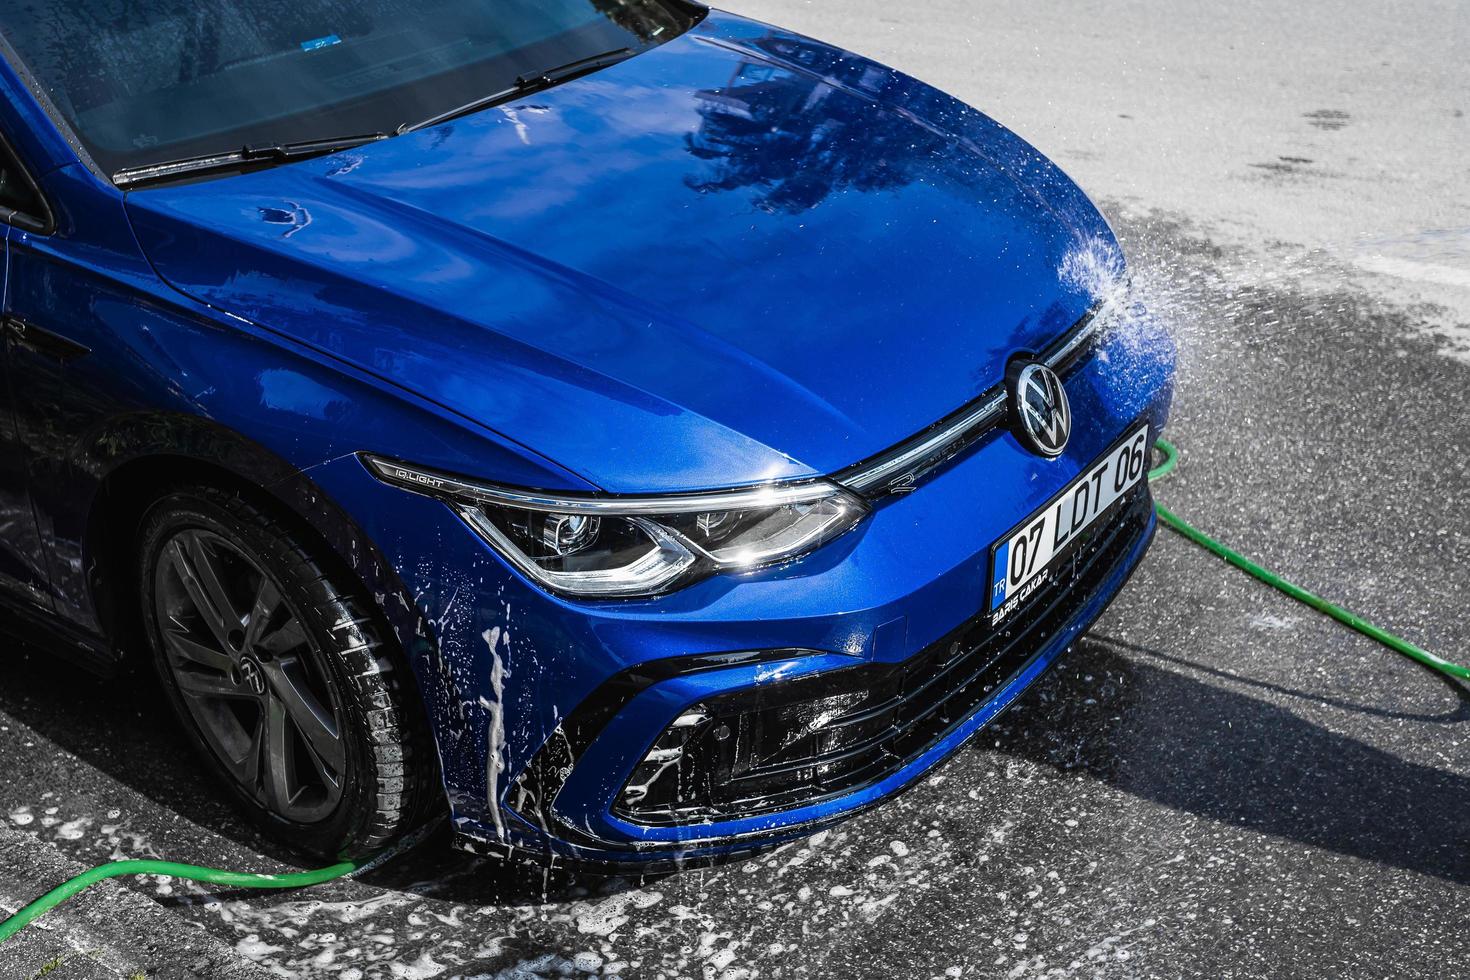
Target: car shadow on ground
(1167, 737)
(125, 728)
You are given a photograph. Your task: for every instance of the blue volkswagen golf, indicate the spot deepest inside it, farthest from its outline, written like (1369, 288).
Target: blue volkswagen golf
(647, 434)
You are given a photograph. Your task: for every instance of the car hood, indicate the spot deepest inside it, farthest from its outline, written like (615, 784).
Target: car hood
(741, 256)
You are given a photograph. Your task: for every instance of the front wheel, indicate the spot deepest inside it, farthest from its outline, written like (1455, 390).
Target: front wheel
(293, 694)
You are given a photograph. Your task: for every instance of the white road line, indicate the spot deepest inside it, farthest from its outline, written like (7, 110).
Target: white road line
(1443, 275)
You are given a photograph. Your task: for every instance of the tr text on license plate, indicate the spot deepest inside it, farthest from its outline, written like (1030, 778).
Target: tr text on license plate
(1023, 562)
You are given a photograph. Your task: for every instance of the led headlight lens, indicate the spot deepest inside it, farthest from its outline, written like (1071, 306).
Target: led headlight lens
(614, 556)
(602, 547)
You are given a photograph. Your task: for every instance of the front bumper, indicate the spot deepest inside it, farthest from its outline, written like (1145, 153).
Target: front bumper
(915, 714)
(543, 707)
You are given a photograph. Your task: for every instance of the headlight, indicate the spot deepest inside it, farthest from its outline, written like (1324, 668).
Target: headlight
(603, 547)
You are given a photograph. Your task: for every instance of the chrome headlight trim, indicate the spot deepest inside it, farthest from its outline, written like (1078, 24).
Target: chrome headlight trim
(435, 484)
(636, 546)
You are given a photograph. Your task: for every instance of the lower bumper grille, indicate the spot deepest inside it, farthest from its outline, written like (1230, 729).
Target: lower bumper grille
(797, 743)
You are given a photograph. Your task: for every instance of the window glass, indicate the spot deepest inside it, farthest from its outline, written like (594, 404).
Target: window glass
(146, 81)
(16, 193)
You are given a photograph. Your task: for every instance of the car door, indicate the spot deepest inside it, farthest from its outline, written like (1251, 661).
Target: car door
(24, 576)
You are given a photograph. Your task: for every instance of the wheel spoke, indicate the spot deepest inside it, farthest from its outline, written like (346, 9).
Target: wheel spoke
(276, 772)
(209, 684)
(267, 602)
(200, 576)
(246, 768)
(206, 566)
(187, 650)
(282, 640)
(310, 718)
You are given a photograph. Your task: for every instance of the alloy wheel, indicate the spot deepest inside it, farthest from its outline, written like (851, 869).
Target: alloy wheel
(250, 675)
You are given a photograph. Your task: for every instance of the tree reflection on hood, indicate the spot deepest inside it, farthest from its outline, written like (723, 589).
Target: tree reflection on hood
(836, 123)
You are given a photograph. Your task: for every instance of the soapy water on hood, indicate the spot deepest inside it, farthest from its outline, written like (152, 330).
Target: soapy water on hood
(1162, 298)
(1097, 269)
(1156, 295)
(1135, 333)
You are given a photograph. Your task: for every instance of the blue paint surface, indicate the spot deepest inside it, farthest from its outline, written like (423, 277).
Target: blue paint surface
(742, 256)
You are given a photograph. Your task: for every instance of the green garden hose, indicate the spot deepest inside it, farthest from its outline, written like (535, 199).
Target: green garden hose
(302, 879)
(1348, 619)
(213, 876)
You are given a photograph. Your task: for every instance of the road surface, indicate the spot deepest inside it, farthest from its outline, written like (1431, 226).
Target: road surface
(1217, 783)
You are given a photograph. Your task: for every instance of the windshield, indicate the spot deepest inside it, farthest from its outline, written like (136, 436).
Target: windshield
(147, 81)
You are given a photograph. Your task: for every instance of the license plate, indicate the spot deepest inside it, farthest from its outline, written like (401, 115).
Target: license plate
(1025, 560)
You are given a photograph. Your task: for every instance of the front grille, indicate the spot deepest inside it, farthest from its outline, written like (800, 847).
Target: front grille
(899, 468)
(797, 743)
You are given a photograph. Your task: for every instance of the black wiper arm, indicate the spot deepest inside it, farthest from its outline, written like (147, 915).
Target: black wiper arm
(571, 69)
(234, 159)
(524, 84)
(286, 152)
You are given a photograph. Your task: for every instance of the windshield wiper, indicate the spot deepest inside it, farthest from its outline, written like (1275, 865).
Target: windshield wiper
(269, 153)
(524, 84)
(253, 153)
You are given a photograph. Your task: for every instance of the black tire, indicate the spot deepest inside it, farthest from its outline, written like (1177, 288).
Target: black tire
(306, 712)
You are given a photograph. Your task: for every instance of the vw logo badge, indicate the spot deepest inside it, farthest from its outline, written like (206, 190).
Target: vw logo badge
(251, 676)
(1040, 410)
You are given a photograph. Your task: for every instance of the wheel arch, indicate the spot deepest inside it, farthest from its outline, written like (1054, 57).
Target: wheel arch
(137, 459)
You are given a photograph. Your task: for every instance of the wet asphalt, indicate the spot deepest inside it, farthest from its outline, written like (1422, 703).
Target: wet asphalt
(1215, 783)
